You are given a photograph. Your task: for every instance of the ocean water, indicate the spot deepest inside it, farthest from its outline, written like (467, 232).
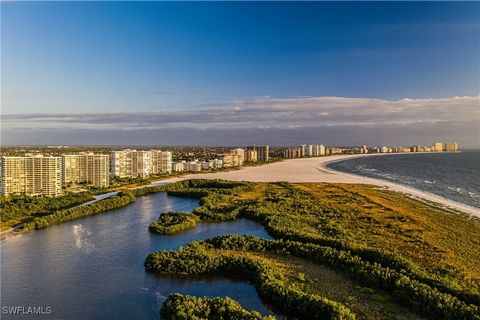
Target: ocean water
(455, 176)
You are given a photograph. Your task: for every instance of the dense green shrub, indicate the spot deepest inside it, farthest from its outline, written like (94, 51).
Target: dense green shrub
(208, 184)
(308, 231)
(269, 281)
(21, 206)
(14, 205)
(278, 213)
(180, 307)
(122, 199)
(283, 213)
(140, 191)
(188, 193)
(424, 298)
(173, 222)
(212, 194)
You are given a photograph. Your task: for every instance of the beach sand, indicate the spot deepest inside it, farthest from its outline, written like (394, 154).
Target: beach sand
(315, 170)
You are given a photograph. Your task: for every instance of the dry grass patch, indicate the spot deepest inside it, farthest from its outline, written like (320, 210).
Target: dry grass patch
(433, 237)
(366, 303)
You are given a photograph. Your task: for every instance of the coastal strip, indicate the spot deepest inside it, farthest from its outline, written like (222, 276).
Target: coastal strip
(301, 170)
(316, 170)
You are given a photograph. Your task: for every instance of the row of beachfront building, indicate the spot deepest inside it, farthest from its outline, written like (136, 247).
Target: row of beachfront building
(40, 175)
(49, 175)
(315, 150)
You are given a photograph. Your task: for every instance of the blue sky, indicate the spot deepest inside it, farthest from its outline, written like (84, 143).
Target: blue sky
(176, 60)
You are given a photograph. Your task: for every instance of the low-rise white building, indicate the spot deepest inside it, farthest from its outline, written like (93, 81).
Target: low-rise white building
(178, 166)
(193, 166)
(230, 160)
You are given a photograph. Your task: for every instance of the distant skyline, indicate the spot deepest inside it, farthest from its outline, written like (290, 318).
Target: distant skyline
(152, 73)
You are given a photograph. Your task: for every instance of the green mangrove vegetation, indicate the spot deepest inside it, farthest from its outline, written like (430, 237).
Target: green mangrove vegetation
(173, 222)
(393, 257)
(41, 212)
(233, 255)
(180, 307)
(271, 282)
(340, 251)
(121, 199)
(16, 209)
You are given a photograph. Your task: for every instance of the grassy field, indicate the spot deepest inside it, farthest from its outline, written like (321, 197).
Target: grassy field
(386, 237)
(438, 240)
(335, 285)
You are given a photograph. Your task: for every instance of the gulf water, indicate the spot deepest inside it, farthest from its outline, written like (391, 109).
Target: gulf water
(455, 176)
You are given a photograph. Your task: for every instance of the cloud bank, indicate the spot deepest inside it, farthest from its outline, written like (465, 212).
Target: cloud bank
(278, 121)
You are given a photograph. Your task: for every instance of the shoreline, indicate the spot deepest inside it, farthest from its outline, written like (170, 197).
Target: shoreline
(14, 230)
(412, 192)
(305, 170)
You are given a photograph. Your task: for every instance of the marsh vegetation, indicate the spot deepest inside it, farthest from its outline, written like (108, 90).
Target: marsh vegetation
(340, 251)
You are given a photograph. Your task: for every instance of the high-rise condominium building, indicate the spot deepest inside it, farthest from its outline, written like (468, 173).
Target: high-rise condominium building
(89, 168)
(321, 150)
(309, 150)
(34, 175)
(129, 164)
(240, 152)
(451, 146)
(140, 164)
(251, 156)
(317, 150)
(263, 152)
(293, 153)
(303, 149)
(288, 153)
(132, 163)
(161, 161)
(437, 147)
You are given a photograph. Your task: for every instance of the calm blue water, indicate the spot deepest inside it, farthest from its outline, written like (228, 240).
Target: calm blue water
(454, 176)
(92, 268)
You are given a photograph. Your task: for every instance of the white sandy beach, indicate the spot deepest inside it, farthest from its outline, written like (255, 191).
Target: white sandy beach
(315, 170)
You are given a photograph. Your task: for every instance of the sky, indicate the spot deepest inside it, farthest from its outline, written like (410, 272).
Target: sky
(278, 73)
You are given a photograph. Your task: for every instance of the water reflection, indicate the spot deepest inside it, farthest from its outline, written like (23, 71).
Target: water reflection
(82, 238)
(92, 268)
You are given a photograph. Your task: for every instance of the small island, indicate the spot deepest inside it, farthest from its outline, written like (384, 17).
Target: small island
(173, 222)
(180, 307)
(340, 251)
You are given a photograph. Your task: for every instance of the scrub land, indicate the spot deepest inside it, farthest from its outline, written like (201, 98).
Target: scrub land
(340, 251)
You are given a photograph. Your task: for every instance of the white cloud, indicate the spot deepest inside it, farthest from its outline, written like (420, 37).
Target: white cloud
(271, 112)
(303, 114)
